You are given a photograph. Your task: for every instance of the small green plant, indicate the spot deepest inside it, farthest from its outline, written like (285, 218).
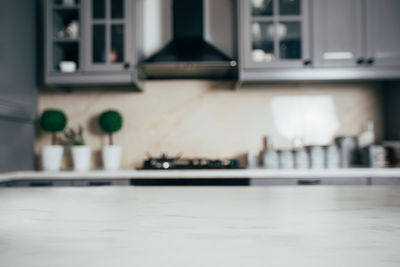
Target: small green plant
(74, 137)
(110, 121)
(53, 121)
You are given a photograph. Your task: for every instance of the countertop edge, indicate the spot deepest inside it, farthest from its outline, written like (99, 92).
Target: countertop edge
(194, 174)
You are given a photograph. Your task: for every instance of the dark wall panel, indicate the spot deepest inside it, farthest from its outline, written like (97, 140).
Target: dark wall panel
(18, 83)
(18, 54)
(16, 145)
(391, 111)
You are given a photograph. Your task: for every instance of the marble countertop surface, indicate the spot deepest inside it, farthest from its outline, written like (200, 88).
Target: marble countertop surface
(200, 226)
(238, 173)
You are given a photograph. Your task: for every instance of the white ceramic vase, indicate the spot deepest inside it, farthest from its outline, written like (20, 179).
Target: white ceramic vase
(112, 157)
(81, 156)
(51, 157)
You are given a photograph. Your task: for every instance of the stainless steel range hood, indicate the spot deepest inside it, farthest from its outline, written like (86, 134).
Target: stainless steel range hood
(188, 55)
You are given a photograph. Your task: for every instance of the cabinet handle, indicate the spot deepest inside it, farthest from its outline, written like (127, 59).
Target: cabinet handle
(360, 61)
(309, 182)
(307, 62)
(99, 183)
(127, 65)
(40, 183)
(370, 61)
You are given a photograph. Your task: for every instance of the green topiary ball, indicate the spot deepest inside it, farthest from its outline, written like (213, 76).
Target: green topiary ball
(110, 121)
(53, 120)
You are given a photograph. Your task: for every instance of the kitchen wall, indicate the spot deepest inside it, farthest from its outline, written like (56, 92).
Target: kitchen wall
(208, 119)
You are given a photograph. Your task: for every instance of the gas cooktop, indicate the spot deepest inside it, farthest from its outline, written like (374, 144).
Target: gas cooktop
(173, 163)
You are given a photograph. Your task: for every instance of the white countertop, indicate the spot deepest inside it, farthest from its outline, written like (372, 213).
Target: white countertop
(238, 173)
(200, 226)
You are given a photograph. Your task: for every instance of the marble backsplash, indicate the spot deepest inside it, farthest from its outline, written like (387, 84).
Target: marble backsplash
(209, 119)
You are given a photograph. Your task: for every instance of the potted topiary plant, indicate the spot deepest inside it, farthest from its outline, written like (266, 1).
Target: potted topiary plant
(52, 121)
(81, 153)
(110, 122)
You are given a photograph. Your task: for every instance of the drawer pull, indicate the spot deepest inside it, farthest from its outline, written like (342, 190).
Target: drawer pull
(99, 183)
(309, 182)
(40, 183)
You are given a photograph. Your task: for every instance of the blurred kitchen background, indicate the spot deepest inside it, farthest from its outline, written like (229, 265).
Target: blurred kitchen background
(329, 86)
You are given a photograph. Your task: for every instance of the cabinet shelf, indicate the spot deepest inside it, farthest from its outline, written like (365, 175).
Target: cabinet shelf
(59, 72)
(278, 18)
(66, 40)
(65, 7)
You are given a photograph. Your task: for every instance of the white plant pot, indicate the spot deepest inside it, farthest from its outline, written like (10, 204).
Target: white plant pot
(112, 157)
(81, 156)
(51, 158)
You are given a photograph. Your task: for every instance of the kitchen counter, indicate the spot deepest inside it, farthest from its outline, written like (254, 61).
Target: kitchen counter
(207, 226)
(237, 173)
(222, 174)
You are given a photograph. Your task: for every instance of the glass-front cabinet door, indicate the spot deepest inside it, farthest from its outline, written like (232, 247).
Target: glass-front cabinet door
(108, 35)
(275, 33)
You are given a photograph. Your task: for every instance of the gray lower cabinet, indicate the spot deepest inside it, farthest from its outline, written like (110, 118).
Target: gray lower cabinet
(66, 182)
(36, 183)
(101, 182)
(90, 42)
(344, 181)
(309, 181)
(273, 181)
(385, 181)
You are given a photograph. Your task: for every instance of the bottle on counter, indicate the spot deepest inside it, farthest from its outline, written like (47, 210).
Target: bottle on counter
(270, 155)
(300, 154)
(367, 137)
(348, 151)
(317, 157)
(374, 156)
(252, 159)
(332, 156)
(286, 159)
(301, 158)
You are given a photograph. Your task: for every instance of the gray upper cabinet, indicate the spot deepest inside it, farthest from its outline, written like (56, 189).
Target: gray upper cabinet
(275, 33)
(318, 40)
(108, 41)
(338, 33)
(356, 33)
(92, 42)
(383, 32)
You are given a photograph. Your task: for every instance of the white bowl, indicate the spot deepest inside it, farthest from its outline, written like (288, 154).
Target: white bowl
(67, 66)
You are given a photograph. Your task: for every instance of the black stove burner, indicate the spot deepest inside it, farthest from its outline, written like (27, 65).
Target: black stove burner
(166, 163)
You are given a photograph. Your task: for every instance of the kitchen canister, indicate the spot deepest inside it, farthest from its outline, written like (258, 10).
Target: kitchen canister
(301, 159)
(374, 156)
(348, 151)
(270, 159)
(317, 157)
(286, 159)
(252, 159)
(332, 156)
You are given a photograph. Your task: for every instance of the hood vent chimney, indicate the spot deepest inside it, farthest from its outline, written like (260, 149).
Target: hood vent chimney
(188, 55)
